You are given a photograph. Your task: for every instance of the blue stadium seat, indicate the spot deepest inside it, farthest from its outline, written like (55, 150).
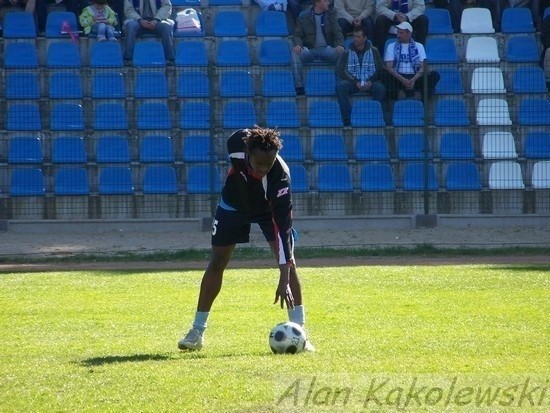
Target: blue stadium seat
(193, 84)
(55, 21)
(412, 146)
(439, 21)
(377, 177)
(191, 53)
(441, 50)
(534, 111)
(67, 117)
(328, 147)
(230, 23)
(292, 148)
(367, 113)
(298, 178)
(271, 23)
(154, 116)
(195, 115)
(65, 85)
(22, 85)
(408, 113)
(236, 84)
(63, 55)
(238, 115)
(278, 83)
(334, 178)
(537, 145)
(27, 182)
(371, 148)
(110, 116)
(282, 114)
(413, 177)
(456, 146)
(462, 176)
(149, 54)
(25, 149)
(233, 53)
(151, 84)
(156, 148)
(451, 112)
(450, 82)
(19, 25)
(274, 52)
(324, 114)
(320, 82)
(529, 80)
(197, 33)
(71, 181)
(517, 20)
(69, 149)
(199, 180)
(522, 49)
(224, 2)
(196, 148)
(112, 149)
(115, 180)
(106, 55)
(20, 55)
(24, 117)
(108, 85)
(160, 180)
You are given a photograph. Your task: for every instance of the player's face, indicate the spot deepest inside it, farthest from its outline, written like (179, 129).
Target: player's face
(261, 162)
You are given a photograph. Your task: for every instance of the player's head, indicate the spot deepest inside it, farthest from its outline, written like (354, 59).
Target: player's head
(262, 146)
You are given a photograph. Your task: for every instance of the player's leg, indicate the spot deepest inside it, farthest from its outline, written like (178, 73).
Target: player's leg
(213, 276)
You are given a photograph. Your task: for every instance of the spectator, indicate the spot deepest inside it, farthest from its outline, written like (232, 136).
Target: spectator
(317, 37)
(390, 13)
(148, 16)
(354, 13)
(99, 19)
(359, 70)
(73, 6)
(405, 62)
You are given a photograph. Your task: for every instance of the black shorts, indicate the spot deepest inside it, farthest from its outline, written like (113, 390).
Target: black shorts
(232, 227)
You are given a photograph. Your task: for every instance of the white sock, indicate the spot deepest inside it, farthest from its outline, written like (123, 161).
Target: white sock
(201, 317)
(297, 315)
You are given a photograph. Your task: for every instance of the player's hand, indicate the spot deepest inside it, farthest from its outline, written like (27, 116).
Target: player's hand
(283, 294)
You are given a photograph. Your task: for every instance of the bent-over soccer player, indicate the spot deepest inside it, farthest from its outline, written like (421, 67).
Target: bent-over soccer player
(256, 190)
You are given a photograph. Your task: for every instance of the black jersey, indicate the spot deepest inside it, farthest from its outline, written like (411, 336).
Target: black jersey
(257, 197)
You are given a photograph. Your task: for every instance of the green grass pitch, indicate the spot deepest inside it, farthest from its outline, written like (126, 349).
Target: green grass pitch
(101, 341)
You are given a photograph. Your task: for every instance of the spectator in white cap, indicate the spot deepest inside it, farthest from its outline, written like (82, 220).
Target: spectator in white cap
(405, 62)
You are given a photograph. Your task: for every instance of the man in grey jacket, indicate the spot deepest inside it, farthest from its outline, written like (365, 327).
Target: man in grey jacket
(354, 13)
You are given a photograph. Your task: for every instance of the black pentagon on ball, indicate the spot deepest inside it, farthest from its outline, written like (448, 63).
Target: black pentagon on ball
(291, 349)
(280, 336)
(297, 332)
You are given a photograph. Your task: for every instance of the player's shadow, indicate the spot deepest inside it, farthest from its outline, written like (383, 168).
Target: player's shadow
(135, 358)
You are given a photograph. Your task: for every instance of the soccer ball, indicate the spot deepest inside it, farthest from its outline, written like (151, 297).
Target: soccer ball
(287, 338)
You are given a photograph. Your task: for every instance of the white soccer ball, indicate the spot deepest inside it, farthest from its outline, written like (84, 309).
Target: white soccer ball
(287, 338)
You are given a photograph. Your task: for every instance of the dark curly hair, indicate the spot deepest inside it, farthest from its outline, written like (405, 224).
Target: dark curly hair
(264, 139)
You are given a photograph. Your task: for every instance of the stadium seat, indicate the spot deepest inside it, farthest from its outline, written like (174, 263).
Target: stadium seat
(22, 85)
(156, 148)
(371, 148)
(238, 115)
(505, 175)
(529, 80)
(439, 21)
(377, 177)
(328, 147)
(65, 85)
(408, 113)
(236, 84)
(367, 113)
(110, 116)
(193, 84)
(27, 182)
(20, 55)
(451, 112)
(522, 49)
(69, 149)
(154, 116)
(412, 146)
(441, 50)
(230, 23)
(450, 82)
(185, 4)
(24, 117)
(233, 53)
(70, 181)
(67, 117)
(534, 111)
(482, 50)
(293, 150)
(25, 149)
(476, 20)
(271, 23)
(115, 180)
(149, 54)
(224, 2)
(63, 55)
(517, 20)
(334, 178)
(493, 112)
(19, 25)
(414, 177)
(537, 145)
(462, 176)
(112, 149)
(195, 115)
(150, 84)
(55, 21)
(498, 145)
(199, 180)
(298, 178)
(196, 148)
(278, 83)
(487, 80)
(540, 178)
(456, 146)
(324, 114)
(160, 180)
(274, 52)
(108, 85)
(282, 114)
(320, 82)
(106, 55)
(191, 53)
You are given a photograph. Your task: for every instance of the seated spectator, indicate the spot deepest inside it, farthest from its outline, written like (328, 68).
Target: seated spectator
(390, 13)
(317, 37)
(359, 70)
(148, 16)
(355, 13)
(405, 62)
(99, 19)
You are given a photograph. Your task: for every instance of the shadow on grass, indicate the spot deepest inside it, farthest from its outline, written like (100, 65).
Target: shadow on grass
(100, 361)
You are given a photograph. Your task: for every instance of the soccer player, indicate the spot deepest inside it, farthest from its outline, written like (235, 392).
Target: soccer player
(256, 190)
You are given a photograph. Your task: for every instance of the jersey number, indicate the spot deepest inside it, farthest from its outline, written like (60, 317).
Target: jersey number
(214, 227)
